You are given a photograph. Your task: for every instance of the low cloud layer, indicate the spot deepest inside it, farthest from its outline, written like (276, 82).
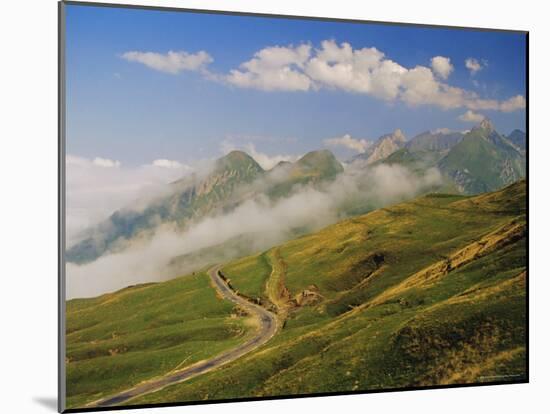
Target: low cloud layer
(164, 163)
(97, 187)
(269, 222)
(336, 66)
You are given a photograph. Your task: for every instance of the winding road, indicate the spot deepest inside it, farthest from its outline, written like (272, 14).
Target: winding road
(266, 330)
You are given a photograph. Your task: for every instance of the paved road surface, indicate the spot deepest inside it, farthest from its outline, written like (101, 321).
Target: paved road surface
(267, 328)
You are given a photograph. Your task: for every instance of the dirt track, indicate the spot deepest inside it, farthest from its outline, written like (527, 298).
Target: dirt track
(267, 327)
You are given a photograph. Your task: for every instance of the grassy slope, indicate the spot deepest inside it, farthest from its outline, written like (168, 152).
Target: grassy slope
(484, 162)
(252, 273)
(314, 167)
(426, 292)
(119, 339)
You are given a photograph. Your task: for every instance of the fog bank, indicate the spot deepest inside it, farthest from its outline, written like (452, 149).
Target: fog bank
(357, 189)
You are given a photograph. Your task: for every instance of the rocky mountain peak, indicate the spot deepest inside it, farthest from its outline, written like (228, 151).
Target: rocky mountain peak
(322, 162)
(398, 135)
(237, 161)
(384, 146)
(487, 125)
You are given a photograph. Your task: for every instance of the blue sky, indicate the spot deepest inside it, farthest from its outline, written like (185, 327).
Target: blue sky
(139, 107)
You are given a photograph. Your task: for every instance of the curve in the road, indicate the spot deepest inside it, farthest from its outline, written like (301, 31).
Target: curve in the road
(267, 328)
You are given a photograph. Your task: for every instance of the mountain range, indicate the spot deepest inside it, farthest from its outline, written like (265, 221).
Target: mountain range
(383, 147)
(235, 178)
(471, 162)
(474, 161)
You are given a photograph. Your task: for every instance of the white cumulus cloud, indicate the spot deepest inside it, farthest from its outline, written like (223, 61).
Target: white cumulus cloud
(474, 65)
(365, 71)
(471, 116)
(171, 62)
(360, 71)
(442, 66)
(338, 66)
(346, 141)
(513, 104)
(274, 68)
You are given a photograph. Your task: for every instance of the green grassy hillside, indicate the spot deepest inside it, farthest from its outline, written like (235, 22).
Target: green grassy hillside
(483, 161)
(313, 168)
(120, 339)
(426, 292)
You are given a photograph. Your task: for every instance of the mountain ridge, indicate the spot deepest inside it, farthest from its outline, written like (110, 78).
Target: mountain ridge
(383, 147)
(477, 161)
(483, 161)
(228, 184)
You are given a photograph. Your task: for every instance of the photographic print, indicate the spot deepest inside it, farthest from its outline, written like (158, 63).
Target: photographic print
(260, 206)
